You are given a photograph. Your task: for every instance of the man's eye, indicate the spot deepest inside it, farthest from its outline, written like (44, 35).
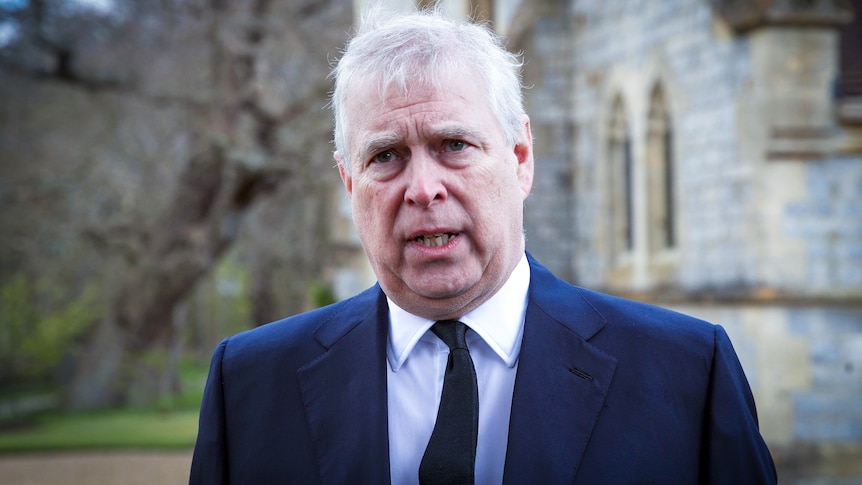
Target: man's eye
(456, 145)
(384, 157)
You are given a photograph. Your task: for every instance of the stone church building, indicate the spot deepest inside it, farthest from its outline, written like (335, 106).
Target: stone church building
(706, 155)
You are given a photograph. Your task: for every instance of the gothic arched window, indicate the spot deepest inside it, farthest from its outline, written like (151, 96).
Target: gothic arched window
(620, 182)
(660, 175)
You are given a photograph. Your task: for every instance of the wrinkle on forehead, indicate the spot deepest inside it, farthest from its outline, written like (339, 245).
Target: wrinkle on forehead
(383, 117)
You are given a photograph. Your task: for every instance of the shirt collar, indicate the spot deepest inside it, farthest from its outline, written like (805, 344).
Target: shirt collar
(499, 321)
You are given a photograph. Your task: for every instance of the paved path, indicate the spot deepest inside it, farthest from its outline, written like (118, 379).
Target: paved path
(96, 468)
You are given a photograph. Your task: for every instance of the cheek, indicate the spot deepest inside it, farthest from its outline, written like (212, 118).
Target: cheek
(498, 189)
(500, 201)
(371, 208)
(369, 198)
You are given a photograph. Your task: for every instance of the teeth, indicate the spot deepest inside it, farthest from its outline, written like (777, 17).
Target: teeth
(435, 240)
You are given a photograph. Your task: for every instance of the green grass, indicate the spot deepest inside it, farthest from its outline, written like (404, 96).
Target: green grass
(170, 423)
(116, 429)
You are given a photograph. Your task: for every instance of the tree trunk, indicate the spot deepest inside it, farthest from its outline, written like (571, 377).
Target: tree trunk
(97, 369)
(201, 221)
(263, 309)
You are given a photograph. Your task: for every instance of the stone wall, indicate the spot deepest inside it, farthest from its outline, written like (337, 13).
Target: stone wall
(702, 68)
(824, 221)
(757, 151)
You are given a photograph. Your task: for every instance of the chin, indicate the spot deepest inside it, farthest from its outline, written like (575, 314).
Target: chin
(446, 286)
(438, 294)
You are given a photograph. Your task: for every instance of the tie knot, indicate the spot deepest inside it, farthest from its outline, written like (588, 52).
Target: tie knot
(452, 333)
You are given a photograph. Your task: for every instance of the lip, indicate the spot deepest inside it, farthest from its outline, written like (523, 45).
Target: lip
(428, 232)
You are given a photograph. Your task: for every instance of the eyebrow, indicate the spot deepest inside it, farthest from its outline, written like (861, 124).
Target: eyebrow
(388, 140)
(379, 143)
(457, 132)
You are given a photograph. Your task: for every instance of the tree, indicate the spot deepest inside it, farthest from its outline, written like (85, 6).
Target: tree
(165, 123)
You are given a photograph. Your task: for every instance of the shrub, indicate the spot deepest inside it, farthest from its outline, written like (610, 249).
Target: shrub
(39, 326)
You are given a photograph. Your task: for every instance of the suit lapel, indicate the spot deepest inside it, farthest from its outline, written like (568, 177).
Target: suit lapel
(560, 387)
(344, 391)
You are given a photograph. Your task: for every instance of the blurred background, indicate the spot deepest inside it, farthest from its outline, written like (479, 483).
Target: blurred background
(166, 180)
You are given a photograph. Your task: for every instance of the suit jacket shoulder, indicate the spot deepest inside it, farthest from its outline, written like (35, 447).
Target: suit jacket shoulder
(632, 392)
(299, 337)
(591, 314)
(282, 400)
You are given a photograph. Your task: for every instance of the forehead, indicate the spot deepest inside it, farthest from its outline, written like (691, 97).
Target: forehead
(451, 101)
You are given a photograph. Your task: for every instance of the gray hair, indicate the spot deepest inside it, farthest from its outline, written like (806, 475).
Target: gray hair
(412, 50)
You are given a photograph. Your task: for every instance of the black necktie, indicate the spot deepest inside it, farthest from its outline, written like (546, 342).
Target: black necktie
(450, 457)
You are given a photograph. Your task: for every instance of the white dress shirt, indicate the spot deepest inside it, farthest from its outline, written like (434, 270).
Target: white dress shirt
(417, 365)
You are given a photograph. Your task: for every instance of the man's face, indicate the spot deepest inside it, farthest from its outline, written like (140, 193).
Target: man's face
(437, 194)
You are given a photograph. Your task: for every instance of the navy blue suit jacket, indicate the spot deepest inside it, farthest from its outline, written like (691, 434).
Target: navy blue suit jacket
(608, 391)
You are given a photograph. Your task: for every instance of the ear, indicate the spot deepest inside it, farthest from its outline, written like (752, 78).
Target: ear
(524, 154)
(345, 173)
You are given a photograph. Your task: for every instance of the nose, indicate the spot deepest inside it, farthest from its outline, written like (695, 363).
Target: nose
(425, 181)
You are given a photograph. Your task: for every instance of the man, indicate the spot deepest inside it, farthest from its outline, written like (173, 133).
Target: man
(545, 383)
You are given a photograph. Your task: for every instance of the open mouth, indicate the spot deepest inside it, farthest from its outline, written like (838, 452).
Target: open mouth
(435, 240)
